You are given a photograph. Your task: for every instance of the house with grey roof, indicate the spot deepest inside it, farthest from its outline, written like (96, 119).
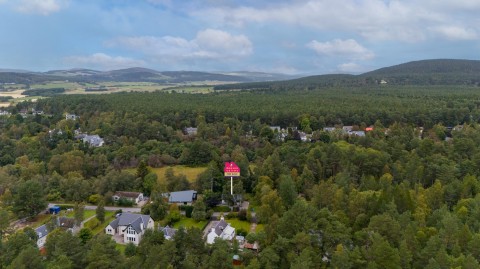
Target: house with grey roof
(168, 232)
(93, 140)
(221, 229)
(191, 130)
(130, 227)
(68, 224)
(42, 233)
(71, 117)
(181, 197)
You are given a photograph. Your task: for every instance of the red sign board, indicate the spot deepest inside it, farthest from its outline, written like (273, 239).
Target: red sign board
(231, 170)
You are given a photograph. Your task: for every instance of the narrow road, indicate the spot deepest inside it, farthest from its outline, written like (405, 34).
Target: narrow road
(110, 208)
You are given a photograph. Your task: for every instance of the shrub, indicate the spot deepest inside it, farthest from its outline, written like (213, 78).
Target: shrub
(241, 232)
(242, 214)
(54, 196)
(130, 250)
(94, 198)
(92, 224)
(188, 211)
(221, 208)
(173, 217)
(124, 202)
(65, 207)
(231, 215)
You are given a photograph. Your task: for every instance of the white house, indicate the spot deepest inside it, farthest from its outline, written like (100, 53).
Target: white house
(130, 226)
(132, 196)
(42, 233)
(222, 230)
(168, 232)
(191, 131)
(71, 117)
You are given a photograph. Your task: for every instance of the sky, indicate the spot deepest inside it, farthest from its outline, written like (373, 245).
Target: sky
(277, 36)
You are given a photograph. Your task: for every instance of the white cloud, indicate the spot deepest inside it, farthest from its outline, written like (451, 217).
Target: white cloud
(43, 7)
(456, 33)
(103, 61)
(351, 68)
(406, 20)
(348, 48)
(208, 44)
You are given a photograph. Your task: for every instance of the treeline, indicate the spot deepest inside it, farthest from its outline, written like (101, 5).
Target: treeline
(43, 92)
(421, 106)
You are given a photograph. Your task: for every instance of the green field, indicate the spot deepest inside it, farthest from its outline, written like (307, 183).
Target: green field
(189, 223)
(86, 213)
(190, 172)
(101, 227)
(239, 224)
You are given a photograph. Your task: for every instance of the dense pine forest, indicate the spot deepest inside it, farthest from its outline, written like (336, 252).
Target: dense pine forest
(404, 195)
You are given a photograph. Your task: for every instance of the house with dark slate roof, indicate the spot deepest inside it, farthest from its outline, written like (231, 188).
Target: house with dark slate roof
(221, 229)
(42, 233)
(181, 197)
(130, 227)
(168, 232)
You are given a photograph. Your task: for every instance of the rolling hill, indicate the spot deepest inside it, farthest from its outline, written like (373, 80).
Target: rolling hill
(135, 74)
(425, 72)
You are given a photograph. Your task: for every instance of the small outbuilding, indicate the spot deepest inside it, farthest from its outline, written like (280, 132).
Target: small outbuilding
(54, 210)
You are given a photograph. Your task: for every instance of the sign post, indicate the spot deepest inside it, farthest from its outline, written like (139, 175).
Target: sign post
(231, 170)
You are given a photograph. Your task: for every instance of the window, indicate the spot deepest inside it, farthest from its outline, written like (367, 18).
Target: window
(130, 230)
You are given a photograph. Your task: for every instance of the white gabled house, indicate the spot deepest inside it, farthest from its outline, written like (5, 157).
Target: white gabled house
(130, 226)
(168, 232)
(221, 229)
(135, 197)
(42, 233)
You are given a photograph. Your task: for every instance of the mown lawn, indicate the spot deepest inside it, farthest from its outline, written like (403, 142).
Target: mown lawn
(260, 228)
(239, 224)
(188, 223)
(109, 216)
(87, 213)
(120, 248)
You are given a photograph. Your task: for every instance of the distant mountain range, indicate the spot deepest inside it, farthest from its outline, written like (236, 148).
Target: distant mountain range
(135, 74)
(425, 72)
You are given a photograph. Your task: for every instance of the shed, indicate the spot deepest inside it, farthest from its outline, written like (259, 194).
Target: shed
(54, 209)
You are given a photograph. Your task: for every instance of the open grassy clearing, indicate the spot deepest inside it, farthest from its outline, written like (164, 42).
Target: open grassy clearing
(239, 224)
(189, 223)
(121, 248)
(101, 226)
(14, 94)
(190, 172)
(87, 213)
(56, 84)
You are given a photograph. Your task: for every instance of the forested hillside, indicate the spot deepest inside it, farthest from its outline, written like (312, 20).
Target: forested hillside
(405, 195)
(425, 72)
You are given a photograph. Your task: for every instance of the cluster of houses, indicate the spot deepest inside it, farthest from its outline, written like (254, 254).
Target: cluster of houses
(64, 223)
(348, 130)
(130, 227)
